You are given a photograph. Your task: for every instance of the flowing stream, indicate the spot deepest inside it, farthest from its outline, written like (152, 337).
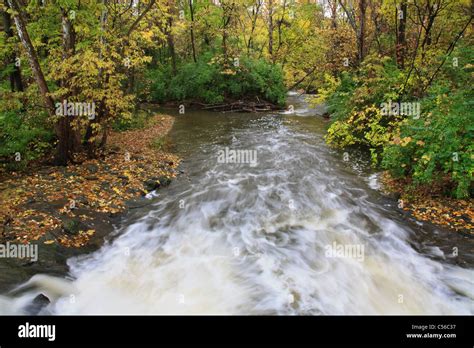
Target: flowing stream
(300, 232)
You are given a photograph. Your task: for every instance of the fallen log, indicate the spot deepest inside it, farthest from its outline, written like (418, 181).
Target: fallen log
(237, 106)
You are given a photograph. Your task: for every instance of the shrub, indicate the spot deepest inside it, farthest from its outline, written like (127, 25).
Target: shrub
(355, 105)
(20, 134)
(210, 80)
(439, 145)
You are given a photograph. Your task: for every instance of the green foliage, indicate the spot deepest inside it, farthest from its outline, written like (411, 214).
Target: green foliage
(260, 78)
(212, 81)
(438, 146)
(199, 81)
(21, 135)
(153, 86)
(339, 101)
(128, 121)
(356, 102)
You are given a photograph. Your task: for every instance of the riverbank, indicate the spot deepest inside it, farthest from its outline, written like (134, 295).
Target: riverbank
(428, 204)
(77, 205)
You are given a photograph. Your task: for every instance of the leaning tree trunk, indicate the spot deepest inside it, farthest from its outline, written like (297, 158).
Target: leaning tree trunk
(193, 46)
(32, 56)
(16, 84)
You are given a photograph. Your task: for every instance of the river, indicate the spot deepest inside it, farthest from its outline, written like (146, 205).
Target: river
(301, 230)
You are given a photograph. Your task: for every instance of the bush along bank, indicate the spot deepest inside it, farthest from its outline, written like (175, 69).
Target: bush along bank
(421, 136)
(213, 82)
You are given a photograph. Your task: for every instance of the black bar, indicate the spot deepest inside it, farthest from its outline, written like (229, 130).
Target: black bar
(224, 330)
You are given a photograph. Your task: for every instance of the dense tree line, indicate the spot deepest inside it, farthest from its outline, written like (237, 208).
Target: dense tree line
(355, 55)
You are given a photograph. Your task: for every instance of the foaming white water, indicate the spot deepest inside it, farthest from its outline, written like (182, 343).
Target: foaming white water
(373, 181)
(176, 278)
(254, 240)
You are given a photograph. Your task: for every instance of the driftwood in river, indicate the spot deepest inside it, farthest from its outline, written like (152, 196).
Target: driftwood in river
(240, 106)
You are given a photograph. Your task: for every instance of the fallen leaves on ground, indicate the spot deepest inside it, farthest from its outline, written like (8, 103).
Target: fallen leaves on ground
(429, 204)
(58, 203)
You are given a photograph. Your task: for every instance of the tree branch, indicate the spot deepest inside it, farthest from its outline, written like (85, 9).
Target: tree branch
(134, 25)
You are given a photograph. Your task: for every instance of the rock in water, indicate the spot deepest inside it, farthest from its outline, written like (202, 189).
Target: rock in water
(39, 302)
